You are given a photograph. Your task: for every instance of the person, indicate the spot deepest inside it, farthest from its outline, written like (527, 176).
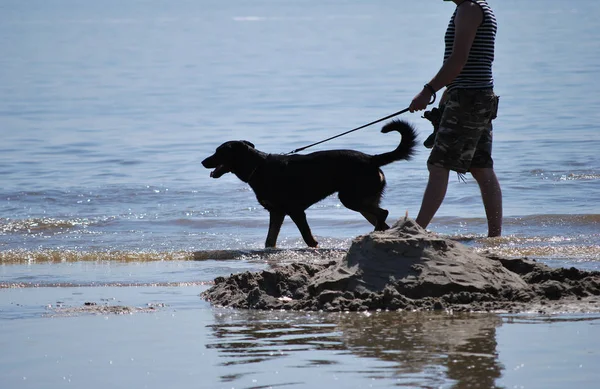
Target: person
(463, 141)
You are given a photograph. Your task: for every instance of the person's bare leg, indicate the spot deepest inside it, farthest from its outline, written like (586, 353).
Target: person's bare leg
(434, 194)
(491, 194)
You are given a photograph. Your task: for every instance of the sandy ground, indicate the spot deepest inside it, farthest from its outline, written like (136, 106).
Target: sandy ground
(409, 268)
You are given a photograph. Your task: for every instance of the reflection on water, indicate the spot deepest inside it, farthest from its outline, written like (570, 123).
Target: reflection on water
(464, 345)
(403, 348)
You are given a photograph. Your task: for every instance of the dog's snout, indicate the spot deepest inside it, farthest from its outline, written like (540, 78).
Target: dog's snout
(208, 162)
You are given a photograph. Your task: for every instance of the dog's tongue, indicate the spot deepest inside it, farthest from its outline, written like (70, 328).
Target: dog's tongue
(219, 171)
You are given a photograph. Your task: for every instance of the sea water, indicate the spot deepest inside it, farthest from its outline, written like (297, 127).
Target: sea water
(108, 108)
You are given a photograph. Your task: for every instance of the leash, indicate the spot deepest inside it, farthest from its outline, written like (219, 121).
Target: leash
(358, 128)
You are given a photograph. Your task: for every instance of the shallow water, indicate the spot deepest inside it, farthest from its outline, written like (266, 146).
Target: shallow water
(107, 109)
(185, 343)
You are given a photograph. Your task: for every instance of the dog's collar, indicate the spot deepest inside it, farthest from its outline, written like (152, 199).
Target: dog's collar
(256, 168)
(252, 174)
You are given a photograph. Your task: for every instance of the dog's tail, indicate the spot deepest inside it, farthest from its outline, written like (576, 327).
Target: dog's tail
(406, 148)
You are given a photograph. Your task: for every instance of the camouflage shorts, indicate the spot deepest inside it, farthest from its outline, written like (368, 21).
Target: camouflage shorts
(464, 139)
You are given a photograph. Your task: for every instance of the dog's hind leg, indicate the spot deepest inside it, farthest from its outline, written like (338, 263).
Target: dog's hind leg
(275, 222)
(368, 207)
(377, 218)
(299, 219)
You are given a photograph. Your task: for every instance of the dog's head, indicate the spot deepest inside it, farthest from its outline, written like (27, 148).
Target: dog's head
(227, 157)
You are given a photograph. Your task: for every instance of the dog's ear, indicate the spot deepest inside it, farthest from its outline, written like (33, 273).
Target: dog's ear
(248, 143)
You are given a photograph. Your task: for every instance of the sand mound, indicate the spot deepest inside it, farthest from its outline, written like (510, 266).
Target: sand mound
(407, 267)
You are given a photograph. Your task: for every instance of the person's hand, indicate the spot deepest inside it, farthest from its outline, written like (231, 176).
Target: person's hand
(420, 101)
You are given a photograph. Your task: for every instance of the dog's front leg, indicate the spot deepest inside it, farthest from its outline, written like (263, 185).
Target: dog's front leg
(300, 219)
(275, 222)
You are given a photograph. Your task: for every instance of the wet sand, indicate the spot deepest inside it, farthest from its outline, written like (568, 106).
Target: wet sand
(409, 268)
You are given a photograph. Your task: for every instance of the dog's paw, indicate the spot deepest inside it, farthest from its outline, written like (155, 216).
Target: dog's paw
(382, 227)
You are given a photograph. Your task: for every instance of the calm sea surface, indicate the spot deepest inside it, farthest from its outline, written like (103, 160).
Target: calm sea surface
(108, 107)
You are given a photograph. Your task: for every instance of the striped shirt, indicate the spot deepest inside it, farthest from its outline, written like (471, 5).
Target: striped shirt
(477, 72)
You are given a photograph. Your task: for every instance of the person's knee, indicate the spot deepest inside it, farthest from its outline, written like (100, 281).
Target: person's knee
(437, 171)
(483, 174)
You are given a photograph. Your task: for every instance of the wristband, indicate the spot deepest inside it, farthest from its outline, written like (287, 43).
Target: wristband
(429, 88)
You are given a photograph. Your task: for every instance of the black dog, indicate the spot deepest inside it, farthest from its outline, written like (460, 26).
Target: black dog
(289, 184)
